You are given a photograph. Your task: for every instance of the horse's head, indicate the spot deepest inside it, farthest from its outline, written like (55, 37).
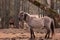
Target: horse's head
(22, 16)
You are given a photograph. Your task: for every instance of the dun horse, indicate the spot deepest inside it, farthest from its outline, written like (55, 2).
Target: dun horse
(35, 21)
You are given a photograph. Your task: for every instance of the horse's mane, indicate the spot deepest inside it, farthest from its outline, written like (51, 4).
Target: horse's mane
(34, 16)
(27, 13)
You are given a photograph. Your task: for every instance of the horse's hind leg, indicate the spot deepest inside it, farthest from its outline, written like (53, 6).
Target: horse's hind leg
(32, 33)
(47, 34)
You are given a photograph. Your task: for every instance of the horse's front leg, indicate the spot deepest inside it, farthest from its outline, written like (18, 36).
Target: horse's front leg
(46, 35)
(32, 32)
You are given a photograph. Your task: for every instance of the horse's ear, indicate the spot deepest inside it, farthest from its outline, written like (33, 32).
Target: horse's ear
(25, 15)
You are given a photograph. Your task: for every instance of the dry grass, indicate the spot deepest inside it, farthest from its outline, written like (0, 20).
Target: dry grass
(24, 34)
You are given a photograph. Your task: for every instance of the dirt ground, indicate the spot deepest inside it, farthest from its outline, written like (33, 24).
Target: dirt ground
(23, 34)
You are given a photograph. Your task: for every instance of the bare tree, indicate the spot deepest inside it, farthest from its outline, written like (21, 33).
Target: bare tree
(4, 6)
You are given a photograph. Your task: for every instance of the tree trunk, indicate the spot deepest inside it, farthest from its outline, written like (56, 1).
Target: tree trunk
(7, 11)
(52, 4)
(16, 11)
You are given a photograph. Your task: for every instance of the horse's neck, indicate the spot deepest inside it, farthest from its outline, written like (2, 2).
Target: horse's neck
(31, 17)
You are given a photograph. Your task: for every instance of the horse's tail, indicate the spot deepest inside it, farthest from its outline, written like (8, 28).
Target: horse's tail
(52, 27)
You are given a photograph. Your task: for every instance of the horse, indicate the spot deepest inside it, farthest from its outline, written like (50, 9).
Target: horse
(35, 21)
(11, 22)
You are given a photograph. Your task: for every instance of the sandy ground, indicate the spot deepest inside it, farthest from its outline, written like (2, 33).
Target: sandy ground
(23, 34)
